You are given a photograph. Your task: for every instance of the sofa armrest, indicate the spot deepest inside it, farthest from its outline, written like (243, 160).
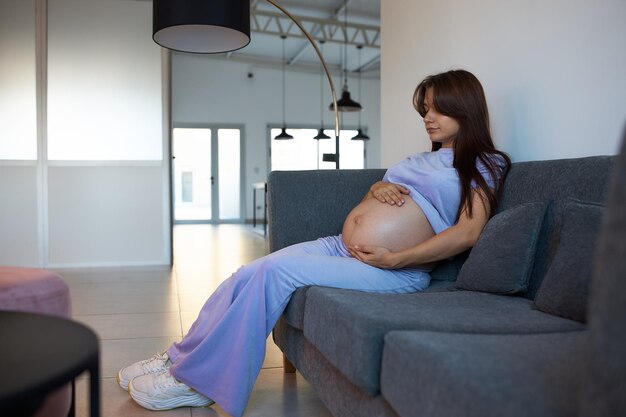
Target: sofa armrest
(306, 205)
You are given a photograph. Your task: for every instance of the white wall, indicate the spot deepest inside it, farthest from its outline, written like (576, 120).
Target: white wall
(554, 72)
(206, 90)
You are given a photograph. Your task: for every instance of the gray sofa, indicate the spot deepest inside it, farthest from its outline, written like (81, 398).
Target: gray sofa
(503, 330)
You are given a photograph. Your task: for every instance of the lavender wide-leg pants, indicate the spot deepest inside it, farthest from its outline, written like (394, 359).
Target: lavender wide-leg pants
(223, 352)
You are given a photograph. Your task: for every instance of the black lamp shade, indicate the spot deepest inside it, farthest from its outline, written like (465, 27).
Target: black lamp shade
(360, 136)
(345, 103)
(201, 26)
(283, 135)
(321, 134)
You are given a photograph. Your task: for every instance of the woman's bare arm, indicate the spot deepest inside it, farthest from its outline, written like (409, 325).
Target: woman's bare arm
(452, 241)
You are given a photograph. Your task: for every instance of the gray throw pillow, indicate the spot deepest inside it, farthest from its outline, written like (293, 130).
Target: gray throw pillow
(503, 257)
(565, 287)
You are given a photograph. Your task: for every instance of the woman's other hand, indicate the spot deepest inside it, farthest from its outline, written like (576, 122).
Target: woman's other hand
(389, 193)
(377, 256)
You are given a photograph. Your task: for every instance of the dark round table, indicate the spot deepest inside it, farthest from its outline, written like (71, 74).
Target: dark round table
(40, 353)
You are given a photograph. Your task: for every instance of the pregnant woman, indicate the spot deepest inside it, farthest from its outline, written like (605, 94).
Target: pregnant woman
(429, 207)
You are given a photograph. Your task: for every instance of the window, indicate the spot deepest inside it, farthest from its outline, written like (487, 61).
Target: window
(187, 186)
(304, 153)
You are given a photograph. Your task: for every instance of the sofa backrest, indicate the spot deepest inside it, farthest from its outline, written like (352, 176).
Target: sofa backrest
(319, 201)
(584, 179)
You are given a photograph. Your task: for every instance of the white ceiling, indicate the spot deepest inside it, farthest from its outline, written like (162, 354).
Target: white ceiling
(323, 19)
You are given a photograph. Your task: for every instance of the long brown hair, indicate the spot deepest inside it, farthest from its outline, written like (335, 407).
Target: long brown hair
(458, 94)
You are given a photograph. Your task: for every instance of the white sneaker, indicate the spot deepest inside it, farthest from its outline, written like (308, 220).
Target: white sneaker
(157, 363)
(161, 391)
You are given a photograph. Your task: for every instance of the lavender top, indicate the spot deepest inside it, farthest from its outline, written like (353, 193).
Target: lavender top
(434, 184)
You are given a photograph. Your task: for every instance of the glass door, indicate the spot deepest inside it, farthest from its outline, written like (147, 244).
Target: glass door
(229, 174)
(206, 175)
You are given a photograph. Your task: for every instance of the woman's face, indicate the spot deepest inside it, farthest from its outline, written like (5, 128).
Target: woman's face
(440, 128)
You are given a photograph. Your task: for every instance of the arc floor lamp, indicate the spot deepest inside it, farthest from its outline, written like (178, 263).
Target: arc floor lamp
(217, 26)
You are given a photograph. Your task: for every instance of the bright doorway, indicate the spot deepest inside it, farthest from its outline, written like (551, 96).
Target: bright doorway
(207, 174)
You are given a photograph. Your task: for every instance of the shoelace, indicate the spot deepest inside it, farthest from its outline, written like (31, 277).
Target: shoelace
(164, 380)
(154, 364)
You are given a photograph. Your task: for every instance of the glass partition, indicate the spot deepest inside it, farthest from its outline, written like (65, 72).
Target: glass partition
(104, 82)
(18, 83)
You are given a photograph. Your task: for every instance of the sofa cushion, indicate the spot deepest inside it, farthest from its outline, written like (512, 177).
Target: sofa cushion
(448, 269)
(348, 327)
(294, 313)
(463, 375)
(565, 287)
(502, 259)
(554, 180)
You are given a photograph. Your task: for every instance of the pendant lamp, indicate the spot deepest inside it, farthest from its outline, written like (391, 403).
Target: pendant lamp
(320, 132)
(360, 135)
(200, 26)
(345, 103)
(216, 26)
(283, 135)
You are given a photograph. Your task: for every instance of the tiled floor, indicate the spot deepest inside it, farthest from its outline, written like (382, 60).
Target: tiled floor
(140, 311)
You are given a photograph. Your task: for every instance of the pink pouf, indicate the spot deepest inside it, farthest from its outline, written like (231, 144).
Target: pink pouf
(34, 290)
(44, 292)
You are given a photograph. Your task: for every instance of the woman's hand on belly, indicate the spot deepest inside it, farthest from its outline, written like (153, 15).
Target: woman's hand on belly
(389, 193)
(377, 256)
(381, 257)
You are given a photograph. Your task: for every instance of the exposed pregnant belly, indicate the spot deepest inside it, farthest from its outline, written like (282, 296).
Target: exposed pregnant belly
(380, 224)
